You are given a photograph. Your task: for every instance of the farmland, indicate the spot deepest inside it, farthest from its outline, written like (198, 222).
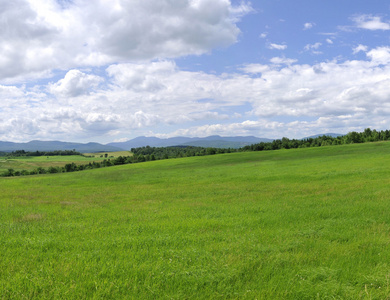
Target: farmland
(30, 163)
(287, 224)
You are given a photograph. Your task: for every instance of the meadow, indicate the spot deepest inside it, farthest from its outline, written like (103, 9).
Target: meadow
(32, 162)
(308, 223)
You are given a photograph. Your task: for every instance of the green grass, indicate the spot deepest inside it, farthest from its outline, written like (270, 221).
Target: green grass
(32, 162)
(291, 224)
(110, 154)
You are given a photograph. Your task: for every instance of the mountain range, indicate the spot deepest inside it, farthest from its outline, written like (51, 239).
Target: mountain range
(210, 141)
(55, 145)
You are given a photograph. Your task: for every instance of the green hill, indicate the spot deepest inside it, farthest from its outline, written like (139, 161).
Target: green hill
(289, 224)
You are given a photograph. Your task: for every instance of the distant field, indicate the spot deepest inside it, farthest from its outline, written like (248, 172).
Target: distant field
(290, 224)
(109, 154)
(32, 162)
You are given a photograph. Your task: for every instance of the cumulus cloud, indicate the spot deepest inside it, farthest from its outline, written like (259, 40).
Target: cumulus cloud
(75, 83)
(137, 97)
(326, 89)
(379, 56)
(370, 22)
(42, 35)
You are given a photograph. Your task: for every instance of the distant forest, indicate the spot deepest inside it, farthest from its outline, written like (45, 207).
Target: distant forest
(19, 153)
(147, 153)
(353, 137)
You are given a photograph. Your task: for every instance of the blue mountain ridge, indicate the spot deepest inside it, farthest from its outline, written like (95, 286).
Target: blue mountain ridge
(210, 141)
(55, 145)
(142, 141)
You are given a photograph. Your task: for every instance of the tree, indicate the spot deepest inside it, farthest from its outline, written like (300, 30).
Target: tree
(70, 167)
(367, 135)
(9, 172)
(41, 170)
(120, 160)
(285, 143)
(353, 137)
(53, 170)
(210, 151)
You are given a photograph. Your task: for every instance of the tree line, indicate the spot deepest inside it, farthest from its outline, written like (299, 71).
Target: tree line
(156, 153)
(21, 153)
(353, 137)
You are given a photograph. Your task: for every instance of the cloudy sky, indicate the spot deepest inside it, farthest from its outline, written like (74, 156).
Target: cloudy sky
(112, 70)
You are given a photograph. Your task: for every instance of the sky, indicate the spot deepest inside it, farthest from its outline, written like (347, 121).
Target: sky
(111, 70)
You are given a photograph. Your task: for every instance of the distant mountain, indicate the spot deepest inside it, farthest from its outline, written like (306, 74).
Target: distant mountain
(334, 135)
(210, 141)
(143, 141)
(56, 145)
(215, 141)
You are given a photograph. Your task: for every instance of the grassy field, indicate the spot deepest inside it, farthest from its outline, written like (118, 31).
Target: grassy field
(109, 154)
(32, 162)
(291, 224)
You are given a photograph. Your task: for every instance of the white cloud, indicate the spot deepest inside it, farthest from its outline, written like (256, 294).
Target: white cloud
(277, 46)
(307, 26)
(313, 48)
(371, 22)
(280, 61)
(75, 83)
(264, 35)
(380, 55)
(325, 89)
(9, 92)
(141, 77)
(255, 68)
(329, 41)
(140, 119)
(138, 98)
(41, 35)
(360, 48)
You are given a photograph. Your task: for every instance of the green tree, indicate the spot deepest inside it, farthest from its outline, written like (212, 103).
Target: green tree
(9, 172)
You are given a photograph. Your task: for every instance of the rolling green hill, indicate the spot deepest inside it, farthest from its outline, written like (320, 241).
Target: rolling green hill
(289, 224)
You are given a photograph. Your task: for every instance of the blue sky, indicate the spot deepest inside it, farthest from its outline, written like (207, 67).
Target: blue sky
(113, 70)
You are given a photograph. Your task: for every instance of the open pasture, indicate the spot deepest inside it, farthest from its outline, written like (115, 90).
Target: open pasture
(109, 154)
(32, 162)
(291, 224)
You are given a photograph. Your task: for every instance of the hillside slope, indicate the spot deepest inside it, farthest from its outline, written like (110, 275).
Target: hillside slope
(288, 224)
